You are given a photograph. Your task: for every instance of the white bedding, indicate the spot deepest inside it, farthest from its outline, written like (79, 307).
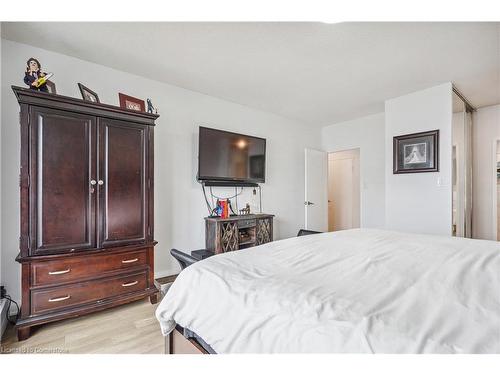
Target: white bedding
(362, 291)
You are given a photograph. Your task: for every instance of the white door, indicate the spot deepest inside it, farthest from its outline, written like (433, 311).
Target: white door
(315, 201)
(343, 190)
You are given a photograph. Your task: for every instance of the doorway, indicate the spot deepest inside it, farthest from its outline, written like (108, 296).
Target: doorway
(343, 190)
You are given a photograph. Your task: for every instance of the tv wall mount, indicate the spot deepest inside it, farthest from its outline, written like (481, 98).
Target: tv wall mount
(228, 183)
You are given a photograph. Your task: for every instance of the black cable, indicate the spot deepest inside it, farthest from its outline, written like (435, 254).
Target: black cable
(210, 210)
(8, 298)
(260, 198)
(236, 198)
(231, 197)
(231, 207)
(212, 197)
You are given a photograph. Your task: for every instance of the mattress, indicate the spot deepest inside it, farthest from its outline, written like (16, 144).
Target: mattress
(355, 291)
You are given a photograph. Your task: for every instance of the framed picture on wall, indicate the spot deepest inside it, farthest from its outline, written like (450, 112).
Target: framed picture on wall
(416, 153)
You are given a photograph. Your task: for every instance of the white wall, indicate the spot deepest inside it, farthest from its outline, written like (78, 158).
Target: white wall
(485, 131)
(420, 202)
(179, 204)
(367, 134)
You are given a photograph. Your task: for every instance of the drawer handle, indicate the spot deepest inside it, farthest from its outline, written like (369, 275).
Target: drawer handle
(59, 272)
(130, 284)
(57, 299)
(130, 260)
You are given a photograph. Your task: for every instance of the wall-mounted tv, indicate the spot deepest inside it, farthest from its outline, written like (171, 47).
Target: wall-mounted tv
(230, 157)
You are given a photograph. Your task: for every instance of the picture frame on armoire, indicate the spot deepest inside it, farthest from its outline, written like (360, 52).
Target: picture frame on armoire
(87, 94)
(416, 153)
(131, 103)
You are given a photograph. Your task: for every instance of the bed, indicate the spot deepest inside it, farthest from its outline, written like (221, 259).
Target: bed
(354, 291)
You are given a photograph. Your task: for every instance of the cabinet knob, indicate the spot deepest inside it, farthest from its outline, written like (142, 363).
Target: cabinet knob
(93, 182)
(101, 182)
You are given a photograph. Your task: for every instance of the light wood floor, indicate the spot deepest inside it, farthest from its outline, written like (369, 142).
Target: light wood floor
(131, 328)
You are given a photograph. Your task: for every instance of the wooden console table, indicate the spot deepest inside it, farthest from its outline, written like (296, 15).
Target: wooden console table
(237, 232)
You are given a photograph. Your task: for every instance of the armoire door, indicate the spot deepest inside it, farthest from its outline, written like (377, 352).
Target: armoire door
(122, 183)
(63, 160)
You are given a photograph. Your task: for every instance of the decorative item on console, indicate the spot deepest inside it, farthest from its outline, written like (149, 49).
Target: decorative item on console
(34, 77)
(246, 210)
(222, 208)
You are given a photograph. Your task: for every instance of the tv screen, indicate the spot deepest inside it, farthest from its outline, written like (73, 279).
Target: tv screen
(226, 156)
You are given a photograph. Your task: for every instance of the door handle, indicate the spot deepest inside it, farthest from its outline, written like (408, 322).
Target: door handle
(59, 272)
(57, 299)
(307, 203)
(130, 260)
(130, 284)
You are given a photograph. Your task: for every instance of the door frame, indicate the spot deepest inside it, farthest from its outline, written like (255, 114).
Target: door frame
(360, 178)
(458, 174)
(496, 141)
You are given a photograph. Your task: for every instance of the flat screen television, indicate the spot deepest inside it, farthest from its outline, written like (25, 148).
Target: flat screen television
(230, 157)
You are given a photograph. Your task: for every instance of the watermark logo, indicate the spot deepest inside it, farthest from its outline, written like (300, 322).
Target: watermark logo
(32, 350)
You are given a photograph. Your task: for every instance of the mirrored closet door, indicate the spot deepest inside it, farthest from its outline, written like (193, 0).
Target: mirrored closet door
(461, 167)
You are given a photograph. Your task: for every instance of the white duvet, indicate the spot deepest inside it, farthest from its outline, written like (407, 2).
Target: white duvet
(361, 291)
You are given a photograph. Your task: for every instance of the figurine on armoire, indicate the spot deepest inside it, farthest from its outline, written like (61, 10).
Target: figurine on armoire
(150, 106)
(34, 77)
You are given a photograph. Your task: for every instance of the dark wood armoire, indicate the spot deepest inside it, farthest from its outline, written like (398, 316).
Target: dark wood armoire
(86, 181)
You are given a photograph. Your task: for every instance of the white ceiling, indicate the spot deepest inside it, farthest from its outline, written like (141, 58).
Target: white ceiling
(312, 72)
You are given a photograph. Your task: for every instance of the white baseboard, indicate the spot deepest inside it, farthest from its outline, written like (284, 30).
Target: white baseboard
(3, 316)
(165, 273)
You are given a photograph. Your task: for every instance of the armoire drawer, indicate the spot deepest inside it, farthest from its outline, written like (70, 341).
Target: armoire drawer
(50, 299)
(71, 269)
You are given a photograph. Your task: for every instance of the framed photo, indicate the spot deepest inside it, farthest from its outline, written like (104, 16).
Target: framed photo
(87, 94)
(415, 153)
(129, 102)
(51, 87)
